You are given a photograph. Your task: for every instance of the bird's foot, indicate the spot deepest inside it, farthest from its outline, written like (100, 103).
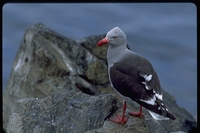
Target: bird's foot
(119, 119)
(137, 114)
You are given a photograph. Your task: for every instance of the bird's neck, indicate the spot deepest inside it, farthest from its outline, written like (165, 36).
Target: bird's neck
(115, 53)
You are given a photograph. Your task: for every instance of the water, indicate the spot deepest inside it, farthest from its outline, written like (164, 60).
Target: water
(163, 33)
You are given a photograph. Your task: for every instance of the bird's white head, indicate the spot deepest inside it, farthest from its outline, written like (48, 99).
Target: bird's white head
(115, 37)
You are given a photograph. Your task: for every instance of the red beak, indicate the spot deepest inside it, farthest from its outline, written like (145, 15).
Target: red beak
(102, 42)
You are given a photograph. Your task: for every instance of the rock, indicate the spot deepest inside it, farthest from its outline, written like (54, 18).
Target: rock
(133, 125)
(15, 123)
(70, 112)
(58, 84)
(47, 62)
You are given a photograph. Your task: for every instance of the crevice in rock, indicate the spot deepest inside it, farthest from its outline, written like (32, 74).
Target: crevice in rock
(84, 89)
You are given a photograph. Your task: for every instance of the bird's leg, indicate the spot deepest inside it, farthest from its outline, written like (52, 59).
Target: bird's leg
(120, 119)
(137, 114)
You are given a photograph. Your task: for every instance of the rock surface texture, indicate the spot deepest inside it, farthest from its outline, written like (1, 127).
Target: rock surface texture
(58, 84)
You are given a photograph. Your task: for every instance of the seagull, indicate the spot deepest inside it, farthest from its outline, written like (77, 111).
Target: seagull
(133, 77)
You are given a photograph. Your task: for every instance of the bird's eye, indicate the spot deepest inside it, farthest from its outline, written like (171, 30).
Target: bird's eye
(114, 37)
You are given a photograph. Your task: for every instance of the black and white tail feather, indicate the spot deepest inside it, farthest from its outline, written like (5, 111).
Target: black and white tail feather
(158, 111)
(155, 104)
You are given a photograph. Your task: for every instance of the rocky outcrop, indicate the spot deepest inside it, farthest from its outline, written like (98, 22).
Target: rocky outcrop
(58, 84)
(66, 112)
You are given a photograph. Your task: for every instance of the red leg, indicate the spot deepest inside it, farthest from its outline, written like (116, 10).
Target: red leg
(120, 119)
(137, 114)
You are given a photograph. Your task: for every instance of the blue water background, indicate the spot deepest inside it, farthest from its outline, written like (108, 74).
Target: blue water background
(165, 33)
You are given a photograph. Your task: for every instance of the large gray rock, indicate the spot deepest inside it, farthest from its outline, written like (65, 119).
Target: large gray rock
(48, 82)
(66, 112)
